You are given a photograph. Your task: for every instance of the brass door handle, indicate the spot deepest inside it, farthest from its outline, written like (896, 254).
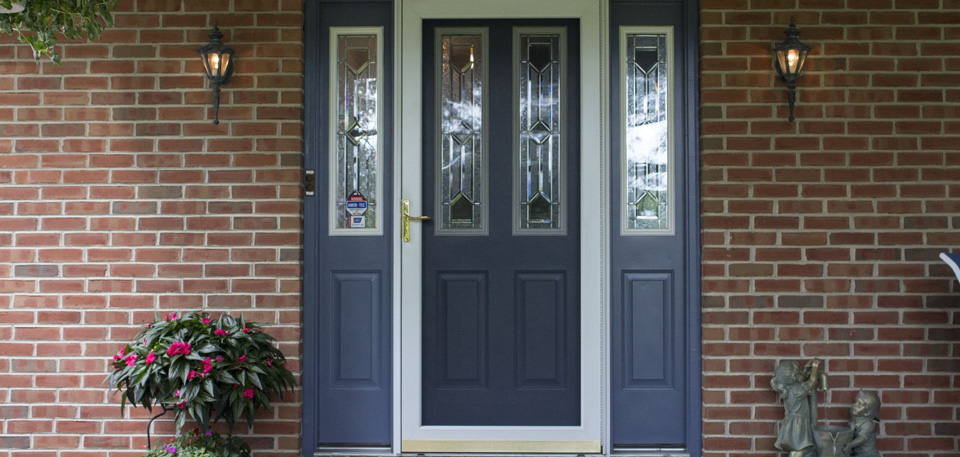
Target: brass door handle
(406, 218)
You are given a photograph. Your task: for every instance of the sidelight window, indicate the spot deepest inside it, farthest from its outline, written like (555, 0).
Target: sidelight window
(355, 116)
(647, 143)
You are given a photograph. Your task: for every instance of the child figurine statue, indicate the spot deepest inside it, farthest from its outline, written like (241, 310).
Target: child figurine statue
(796, 390)
(864, 414)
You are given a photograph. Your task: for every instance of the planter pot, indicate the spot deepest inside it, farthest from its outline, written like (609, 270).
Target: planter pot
(15, 8)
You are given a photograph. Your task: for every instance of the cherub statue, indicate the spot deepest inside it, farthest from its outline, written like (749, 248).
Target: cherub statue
(796, 390)
(864, 417)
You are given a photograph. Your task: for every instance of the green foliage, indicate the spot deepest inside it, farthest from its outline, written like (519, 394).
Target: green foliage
(210, 369)
(43, 20)
(200, 444)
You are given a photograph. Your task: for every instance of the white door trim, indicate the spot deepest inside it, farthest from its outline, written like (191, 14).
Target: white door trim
(409, 433)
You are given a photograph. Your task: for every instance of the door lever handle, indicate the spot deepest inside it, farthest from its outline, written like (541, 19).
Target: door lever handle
(406, 218)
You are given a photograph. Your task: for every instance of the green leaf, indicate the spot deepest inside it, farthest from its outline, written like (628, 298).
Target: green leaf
(255, 380)
(208, 386)
(40, 24)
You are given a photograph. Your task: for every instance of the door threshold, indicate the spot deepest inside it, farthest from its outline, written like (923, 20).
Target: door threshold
(650, 452)
(353, 450)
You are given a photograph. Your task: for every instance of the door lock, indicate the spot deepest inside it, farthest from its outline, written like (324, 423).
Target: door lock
(406, 218)
(309, 183)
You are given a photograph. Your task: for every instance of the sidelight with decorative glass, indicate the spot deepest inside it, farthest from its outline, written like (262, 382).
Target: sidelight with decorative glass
(647, 152)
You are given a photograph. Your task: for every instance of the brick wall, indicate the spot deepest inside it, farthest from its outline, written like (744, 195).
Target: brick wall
(821, 236)
(118, 197)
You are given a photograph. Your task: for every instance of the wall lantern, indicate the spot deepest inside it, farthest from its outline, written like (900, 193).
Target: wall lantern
(217, 64)
(790, 56)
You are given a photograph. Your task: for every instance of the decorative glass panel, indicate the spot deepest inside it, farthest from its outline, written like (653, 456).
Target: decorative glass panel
(461, 174)
(357, 89)
(646, 141)
(539, 148)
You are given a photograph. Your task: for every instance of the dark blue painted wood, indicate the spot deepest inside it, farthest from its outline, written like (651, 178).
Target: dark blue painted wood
(463, 308)
(312, 116)
(648, 330)
(691, 118)
(347, 378)
(541, 329)
(655, 311)
(502, 383)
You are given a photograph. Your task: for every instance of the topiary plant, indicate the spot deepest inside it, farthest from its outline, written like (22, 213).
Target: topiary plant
(40, 22)
(205, 367)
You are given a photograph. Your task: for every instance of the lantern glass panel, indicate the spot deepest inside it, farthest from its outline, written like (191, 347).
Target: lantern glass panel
(224, 64)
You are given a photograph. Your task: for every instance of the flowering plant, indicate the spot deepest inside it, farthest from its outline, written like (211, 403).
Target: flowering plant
(199, 444)
(208, 368)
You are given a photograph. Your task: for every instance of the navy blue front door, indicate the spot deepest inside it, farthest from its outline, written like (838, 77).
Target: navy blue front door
(501, 256)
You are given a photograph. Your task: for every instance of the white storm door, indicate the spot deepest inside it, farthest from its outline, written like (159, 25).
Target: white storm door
(418, 431)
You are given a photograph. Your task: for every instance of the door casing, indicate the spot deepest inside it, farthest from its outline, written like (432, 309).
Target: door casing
(588, 437)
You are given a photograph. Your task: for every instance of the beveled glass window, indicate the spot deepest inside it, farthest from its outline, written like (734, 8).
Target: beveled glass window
(461, 175)
(355, 85)
(647, 147)
(539, 148)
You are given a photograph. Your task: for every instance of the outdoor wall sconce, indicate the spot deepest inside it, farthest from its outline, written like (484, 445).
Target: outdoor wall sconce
(790, 56)
(218, 65)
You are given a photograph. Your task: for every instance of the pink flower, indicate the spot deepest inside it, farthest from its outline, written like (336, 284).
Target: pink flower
(269, 363)
(177, 394)
(192, 375)
(148, 325)
(151, 358)
(131, 359)
(220, 332)
(178, 347)
(206, 320)
(171, 316)
(219, 358)
(207, 366)
(246, 330)
(241, 359)
(248, 393)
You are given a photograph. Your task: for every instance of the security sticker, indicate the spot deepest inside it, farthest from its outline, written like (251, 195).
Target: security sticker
(356, 208)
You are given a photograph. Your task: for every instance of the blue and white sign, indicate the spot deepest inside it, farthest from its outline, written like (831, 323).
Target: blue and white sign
(356, 208)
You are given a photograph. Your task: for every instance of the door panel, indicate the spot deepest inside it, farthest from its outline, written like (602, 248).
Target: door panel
(650, 244)
(348, 268)
(501, 295)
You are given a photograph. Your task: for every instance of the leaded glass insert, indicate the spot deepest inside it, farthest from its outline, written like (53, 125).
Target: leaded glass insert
(461, 174)
(357, 89)
(540, 153)
(646, 132)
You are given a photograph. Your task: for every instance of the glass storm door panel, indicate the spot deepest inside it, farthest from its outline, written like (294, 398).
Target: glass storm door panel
(501, 257)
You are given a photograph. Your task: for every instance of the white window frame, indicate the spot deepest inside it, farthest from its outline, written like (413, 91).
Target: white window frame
(672, 174)
(333, 212)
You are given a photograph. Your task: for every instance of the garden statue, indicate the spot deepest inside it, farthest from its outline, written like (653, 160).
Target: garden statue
(799, 433)
(797, 389)
(864, 414)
